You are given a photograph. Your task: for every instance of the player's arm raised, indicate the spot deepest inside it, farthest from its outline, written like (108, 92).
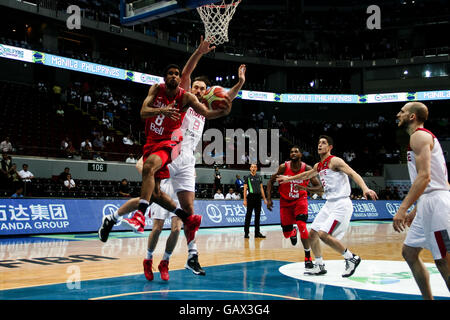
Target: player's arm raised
(421, 144)
(192, 101)
(337, 164)
(147, 111)
(301, 176)
(272, 179)
(314, 185)
(203, 48)
(233, 92)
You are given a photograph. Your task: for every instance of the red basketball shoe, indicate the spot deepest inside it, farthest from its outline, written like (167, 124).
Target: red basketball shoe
(191, 225)
(148, 272)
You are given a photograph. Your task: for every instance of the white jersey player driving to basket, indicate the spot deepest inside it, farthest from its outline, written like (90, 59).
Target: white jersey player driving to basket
(181, 183)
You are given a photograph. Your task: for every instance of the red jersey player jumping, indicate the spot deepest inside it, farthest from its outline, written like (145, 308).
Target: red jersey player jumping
(293, 202)
(163, 111)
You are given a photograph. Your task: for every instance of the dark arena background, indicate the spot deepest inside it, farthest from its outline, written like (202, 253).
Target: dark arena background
(77, 70)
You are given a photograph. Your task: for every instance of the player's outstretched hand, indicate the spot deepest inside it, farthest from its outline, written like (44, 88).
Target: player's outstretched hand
(205, 46)
(241, 72)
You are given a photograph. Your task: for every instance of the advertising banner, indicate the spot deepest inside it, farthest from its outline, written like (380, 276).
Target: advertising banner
(44, 216)
(26, 55)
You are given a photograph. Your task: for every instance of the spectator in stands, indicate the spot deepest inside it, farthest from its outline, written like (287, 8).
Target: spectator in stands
(18, 193)
(64, 144)
(239, 184)
(14, 177)
(124, 188)
(63, 175)
(217, 178)
(86, 149)
(237, 195)
(70, 150)
(231, 195)
(128, 140)
(6, 146)
(219, 195)
(131, 159)
(69, 183)
(99, 141)
(87, 100)
(27, 178)
(106, 122)
(6, 164)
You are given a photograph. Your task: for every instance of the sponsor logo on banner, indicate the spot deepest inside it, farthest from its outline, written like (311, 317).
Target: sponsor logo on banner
(33, 216)
(257, 95)
(386, 97)
(12, 52)
(226, 214)
(149, 79)
(364, 210)
(214, 213)
(392, 207)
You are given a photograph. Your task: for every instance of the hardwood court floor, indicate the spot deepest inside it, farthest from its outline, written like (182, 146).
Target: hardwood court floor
(60, 259)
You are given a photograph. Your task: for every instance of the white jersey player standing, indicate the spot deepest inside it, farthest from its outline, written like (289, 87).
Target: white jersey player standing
(181, 183)
(333, 219)
(429, 221)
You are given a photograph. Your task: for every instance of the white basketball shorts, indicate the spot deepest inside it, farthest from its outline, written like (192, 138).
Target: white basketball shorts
(334, 217)
(430, 228)
(182, 178)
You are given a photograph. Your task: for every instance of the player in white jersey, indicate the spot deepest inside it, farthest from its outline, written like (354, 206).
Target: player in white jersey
(333, 219)
(181, 183)
(429, 221)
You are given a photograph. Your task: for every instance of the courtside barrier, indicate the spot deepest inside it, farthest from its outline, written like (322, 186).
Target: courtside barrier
(46, 216)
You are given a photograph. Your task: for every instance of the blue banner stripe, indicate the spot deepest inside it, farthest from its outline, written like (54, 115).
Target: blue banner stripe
(39, 216)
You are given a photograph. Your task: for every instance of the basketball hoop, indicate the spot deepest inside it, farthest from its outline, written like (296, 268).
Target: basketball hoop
(216, 18)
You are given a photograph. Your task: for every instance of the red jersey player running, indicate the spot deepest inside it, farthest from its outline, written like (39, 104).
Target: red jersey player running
(163, 111)
(293, 202)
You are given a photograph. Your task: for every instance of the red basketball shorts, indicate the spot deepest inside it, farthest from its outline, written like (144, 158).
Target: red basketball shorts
(295, 212)
(166, 150)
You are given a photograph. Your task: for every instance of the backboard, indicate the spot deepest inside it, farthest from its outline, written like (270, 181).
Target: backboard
(139, 11)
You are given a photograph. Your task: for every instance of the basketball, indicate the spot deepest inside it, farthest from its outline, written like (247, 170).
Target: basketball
(214, 98)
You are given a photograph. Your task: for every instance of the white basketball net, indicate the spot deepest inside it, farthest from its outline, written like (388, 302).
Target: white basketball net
(216, 18)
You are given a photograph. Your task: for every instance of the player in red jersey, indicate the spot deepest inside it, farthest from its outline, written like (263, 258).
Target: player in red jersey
(293, 202)
(163, 111)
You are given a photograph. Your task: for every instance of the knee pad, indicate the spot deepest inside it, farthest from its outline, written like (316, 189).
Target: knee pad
(301, 217)
(287, 230)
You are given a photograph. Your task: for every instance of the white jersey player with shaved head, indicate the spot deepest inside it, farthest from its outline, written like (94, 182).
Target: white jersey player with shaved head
(181, 184)
(429, 221)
